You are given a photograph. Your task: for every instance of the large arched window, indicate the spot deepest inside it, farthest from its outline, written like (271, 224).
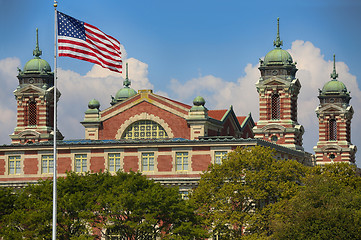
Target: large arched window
(276, 109)
(144, 129)
(32, 115)
(332, 130)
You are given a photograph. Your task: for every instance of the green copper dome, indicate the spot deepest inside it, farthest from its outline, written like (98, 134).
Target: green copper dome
(199, 101)
(93, 104)
(278, 55)
(198, 104)
(125, 93)
(37, 65)
(334, 87)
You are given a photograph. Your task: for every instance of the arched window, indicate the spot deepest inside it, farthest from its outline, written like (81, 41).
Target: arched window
(144, 129)
(32, 115)
(332, 130)
(275, 105)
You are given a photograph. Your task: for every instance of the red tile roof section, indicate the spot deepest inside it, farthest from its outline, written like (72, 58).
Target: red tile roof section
(241, 119)
(217, 114)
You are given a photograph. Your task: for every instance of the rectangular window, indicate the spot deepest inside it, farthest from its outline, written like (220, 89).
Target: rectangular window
(219, 156)
(184, 194)
(147, 162)
(181, 161)
(81, 163)
(114, 162)
(47, 164)
(332, 130)
(14, 165)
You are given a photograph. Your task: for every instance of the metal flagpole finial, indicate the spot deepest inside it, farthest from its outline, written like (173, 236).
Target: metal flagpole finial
(37, 52)
(334, 75)
(126, 82)
(278, 43)
(55, 3)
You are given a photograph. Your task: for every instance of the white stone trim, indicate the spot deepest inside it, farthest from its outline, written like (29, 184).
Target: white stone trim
(144, 116)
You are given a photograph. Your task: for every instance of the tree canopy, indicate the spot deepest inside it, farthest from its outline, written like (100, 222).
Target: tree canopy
(255, 195)
(248, 178)
(326, 206)
(97, 205)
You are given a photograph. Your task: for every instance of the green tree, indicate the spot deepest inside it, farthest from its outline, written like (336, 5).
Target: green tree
(327, 206)
(132, 206)
(29, 217)
(248, 179)
(127, 204)
(7, 202)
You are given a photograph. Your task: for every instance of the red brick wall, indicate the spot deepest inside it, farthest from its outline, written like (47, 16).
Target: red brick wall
(164, 163)
(64, 164)
(177, 124)
(63, 151)
(31, 152)
(165, 149)
(129, 150)
(212, 133)
(97, 164)
(201, 162)
(30, 165)
(201, 148)
(131, 163)
(2, 167)
(247, 129)
(97, 150)
(227, 125)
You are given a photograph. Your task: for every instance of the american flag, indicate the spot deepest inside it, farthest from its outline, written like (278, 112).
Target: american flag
(83, 41)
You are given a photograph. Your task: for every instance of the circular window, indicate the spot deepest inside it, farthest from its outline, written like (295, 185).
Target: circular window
(332, 156)
(274, 138)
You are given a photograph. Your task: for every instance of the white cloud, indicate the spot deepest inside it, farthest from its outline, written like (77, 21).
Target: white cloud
(9, 82)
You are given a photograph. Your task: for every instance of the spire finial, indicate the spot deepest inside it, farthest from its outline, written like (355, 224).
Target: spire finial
(37, 52)
(278, 41)
(334, 75)
(126, 82)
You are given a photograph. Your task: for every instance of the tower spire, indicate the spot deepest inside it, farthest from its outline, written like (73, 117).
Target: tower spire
(37, 52)
(278, 43)
(334, 75)
(126, 82)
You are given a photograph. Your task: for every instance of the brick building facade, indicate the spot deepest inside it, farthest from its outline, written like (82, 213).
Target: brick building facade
(169, 141)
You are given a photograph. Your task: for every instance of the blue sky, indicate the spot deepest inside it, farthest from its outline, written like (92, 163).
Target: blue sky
(182, 49)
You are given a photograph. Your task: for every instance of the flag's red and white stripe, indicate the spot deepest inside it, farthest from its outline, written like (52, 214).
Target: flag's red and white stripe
(99, 48)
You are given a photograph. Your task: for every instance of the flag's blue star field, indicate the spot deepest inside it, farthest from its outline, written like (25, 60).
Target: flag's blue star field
(70, 27)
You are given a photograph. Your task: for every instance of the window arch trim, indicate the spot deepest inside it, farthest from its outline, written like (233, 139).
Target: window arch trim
(144, 116)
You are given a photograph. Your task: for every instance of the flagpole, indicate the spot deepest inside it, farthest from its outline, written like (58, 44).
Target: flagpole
(55, 124)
